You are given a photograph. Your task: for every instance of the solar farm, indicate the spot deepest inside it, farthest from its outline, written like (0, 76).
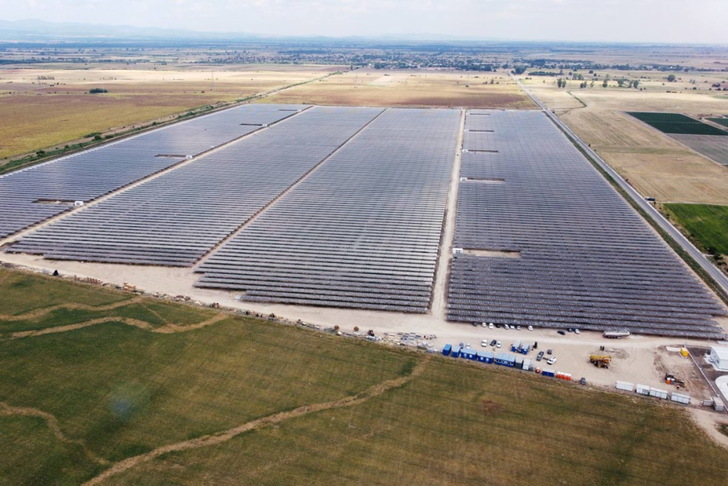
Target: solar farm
(345, 207)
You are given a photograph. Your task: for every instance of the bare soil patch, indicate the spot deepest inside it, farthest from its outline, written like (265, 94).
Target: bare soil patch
(493, 253)
(371, 87)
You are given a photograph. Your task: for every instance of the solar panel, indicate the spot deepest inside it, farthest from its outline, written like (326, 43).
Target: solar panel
(362, 231)
(37, 193)
(176, 218)
(344, 207)
(583, 257)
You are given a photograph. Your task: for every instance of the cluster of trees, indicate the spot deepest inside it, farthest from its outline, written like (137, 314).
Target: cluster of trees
(622, 83)
(629, 83)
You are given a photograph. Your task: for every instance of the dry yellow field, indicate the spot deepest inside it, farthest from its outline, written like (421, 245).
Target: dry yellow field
(422, 88)
(46, 107)
(698, 56)
(655, 164)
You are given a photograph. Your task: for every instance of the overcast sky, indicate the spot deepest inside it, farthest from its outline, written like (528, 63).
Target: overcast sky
(683, 21)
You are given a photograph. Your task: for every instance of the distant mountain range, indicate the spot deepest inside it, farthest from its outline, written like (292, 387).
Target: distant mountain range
(30, 31)
(42, 31)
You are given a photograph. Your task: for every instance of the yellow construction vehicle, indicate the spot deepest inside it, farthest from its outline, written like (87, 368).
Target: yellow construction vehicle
(600, 361)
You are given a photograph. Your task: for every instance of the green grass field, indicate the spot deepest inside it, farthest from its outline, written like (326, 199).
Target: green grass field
(677, 123)
(204, 398)
(707, 224)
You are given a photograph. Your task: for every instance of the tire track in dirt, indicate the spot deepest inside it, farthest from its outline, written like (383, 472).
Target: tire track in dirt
(73, 327)
(53, 425)
(226, 435)
(47, 310)
(166, 329)
(171, 328)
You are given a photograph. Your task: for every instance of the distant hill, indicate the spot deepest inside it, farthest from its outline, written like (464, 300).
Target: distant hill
(38, 31)
(41, 31)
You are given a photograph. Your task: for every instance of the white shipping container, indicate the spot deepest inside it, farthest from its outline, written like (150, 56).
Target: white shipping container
(718, 404)
(624, 385)
(654, 392)
(643, 389)
(680, 398)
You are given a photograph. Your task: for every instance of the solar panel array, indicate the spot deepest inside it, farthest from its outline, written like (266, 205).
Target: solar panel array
(587, 259)
(29, 196)
(176, 218)
(362, 231)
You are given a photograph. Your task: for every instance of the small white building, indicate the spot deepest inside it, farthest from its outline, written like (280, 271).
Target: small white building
(719, 357)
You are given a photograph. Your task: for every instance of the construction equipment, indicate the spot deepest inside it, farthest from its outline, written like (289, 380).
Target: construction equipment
(670, 379)
(600, 361)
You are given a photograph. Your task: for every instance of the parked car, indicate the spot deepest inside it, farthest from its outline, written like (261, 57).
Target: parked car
(576, 331)
(530, 328)
(484, 342)
(518, 328)
(539, 356)
(561, 332)
(551, 360)
(491, 326)
(498, 344)
(549, 351)
(492, 343)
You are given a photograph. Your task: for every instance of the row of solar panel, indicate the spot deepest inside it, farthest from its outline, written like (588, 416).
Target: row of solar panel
(93, 173)
(362, 231)
(176, 218)
(585, 258)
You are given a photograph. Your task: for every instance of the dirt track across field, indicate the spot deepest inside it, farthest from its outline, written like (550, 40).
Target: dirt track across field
(168, 328)
(224, 436)
(53, 425)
